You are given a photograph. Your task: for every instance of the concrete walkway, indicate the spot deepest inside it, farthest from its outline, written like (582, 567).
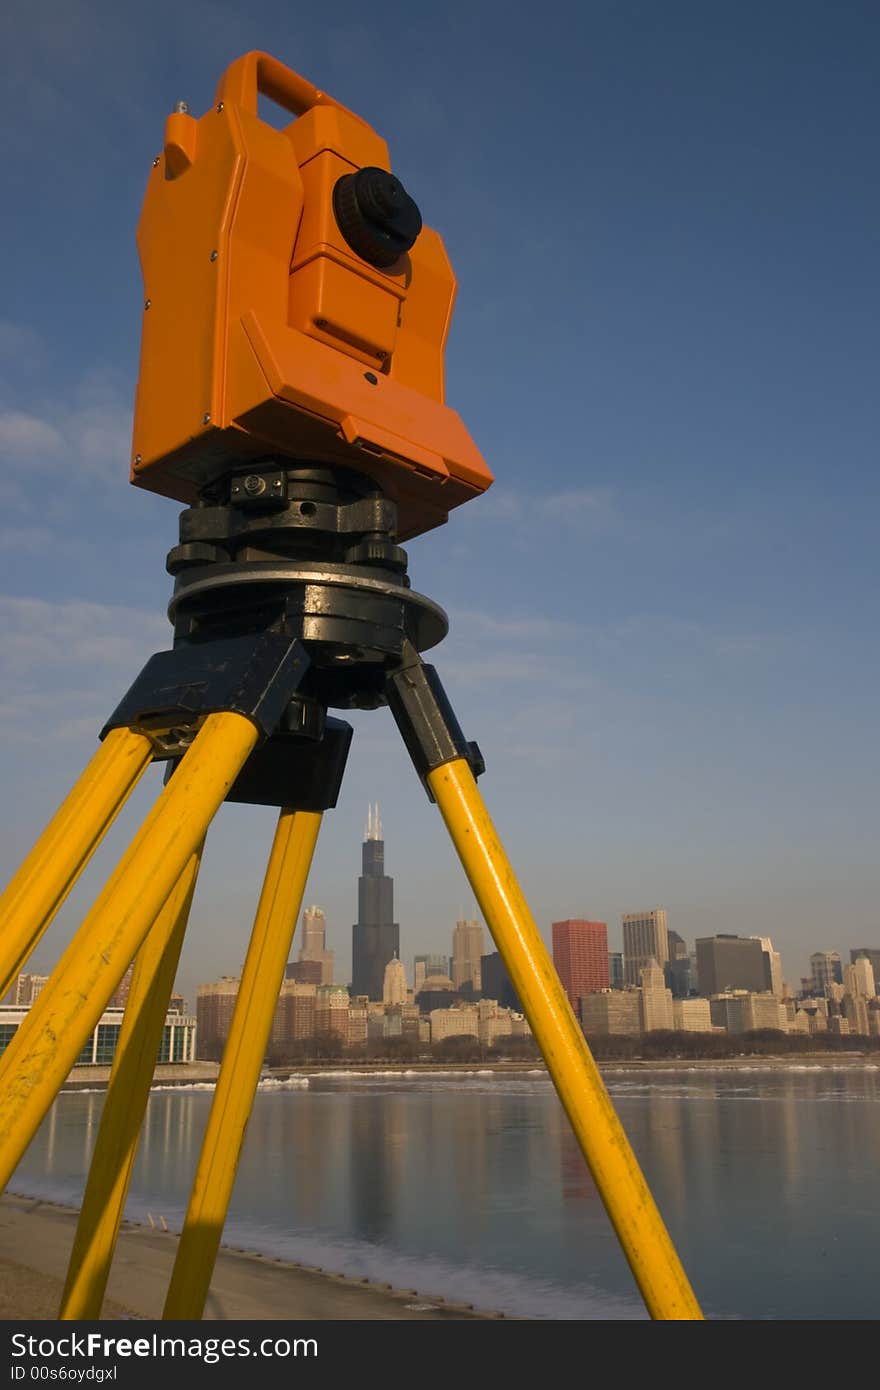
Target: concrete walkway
(35, 1242)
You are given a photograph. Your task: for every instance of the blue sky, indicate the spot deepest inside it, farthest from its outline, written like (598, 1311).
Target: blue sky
(663, 218)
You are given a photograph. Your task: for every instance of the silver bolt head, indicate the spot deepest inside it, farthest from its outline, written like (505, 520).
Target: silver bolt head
(182, 107)
(156, 162)
(206, 418)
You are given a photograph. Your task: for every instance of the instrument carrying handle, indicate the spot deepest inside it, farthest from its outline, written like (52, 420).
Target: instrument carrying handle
(256, 73)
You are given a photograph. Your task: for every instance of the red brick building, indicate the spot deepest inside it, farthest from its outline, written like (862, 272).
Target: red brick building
(580, 954)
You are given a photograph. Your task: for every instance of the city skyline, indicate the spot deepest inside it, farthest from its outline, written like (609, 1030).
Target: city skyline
(580, 948)
(428, 946)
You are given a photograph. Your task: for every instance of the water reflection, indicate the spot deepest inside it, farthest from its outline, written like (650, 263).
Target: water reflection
(765, 1179)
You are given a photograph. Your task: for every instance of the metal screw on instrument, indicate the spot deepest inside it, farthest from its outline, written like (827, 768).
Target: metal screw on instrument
(182, 107)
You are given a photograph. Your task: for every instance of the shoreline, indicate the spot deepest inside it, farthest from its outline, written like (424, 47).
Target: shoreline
(246, 1284)
(204, 1075)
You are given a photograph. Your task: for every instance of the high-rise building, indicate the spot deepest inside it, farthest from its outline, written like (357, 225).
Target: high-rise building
(119, 997)
(215, 1004)
(497, 984)
(870, 953)
(331, 1013)
(677, 945)
(858, 978)
(467, 950)
(375, 937)
(394, 983)
(580, 954)
(678, 972)
(27, 987)
(656, 999)
(305, 972)
(294, 1019)
(314, 945)
(727, 962)
(855, 1011)
(826, 970)
(866, 976)
(431, 964)
(645, 938)
(772, 968)
(615, 969)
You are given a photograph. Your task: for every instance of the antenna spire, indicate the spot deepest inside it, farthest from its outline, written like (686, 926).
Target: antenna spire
(374, 824)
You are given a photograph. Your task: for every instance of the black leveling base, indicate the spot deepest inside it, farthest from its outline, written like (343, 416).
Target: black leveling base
(291, 596)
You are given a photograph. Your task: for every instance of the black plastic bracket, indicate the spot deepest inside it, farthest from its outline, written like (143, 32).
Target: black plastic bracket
(427, 721)
(301, 774)
(256, 674)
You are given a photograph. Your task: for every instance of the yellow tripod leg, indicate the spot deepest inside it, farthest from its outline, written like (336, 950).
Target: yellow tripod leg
(67, 844)
(40, 1056)
(622, 1187)
(127, 1094)
(268, 952)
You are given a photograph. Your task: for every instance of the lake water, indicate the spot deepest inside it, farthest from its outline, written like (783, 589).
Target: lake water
(473, 1187)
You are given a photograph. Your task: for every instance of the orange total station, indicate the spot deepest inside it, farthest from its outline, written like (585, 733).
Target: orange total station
(294, 305)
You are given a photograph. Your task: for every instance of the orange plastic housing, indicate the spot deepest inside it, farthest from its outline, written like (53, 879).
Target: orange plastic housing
(263, 332)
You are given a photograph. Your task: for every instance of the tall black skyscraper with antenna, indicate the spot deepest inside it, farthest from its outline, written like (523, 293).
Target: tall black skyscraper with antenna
(375, 936)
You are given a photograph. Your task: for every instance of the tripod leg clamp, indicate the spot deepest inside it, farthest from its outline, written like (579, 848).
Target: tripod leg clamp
(427, 721)
(256, 675)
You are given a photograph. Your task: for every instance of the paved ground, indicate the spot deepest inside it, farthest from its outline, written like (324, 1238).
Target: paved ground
(35, 1241)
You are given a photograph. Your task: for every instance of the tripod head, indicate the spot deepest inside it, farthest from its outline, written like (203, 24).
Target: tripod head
(295, 307)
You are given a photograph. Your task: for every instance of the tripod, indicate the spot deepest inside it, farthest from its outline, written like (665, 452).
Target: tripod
(313, 612)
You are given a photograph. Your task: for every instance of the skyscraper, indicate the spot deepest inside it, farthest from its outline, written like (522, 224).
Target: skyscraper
(27, 987)
(727, 961)
(580, 954)
(394, 982)
(496, 983)
(858, 978)
(871, 953)
(314, 946)
(215, 1005)
(119, 997)
(656, 1000)
(375, 936)
(826, 971)
(467, 949)
(645, 938)
(678, 968)
(772, 968)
